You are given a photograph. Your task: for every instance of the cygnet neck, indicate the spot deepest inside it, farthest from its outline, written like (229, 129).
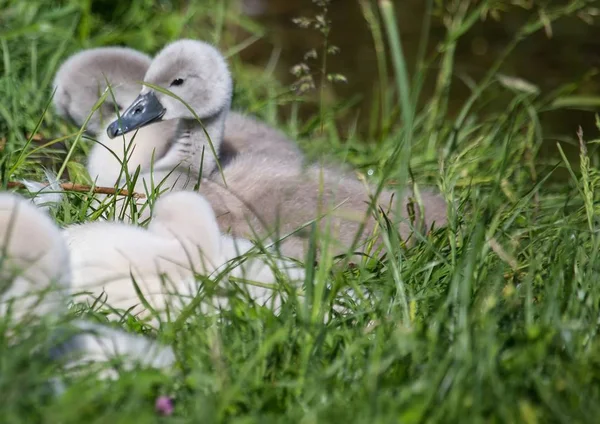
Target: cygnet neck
(191, 150)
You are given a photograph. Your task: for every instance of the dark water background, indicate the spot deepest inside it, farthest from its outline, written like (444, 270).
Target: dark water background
(572, 52)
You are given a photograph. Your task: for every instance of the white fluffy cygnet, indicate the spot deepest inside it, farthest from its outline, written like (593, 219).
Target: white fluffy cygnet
(36, 278)
(169, 261)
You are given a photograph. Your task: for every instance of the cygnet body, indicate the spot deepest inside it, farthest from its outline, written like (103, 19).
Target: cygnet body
(181, 243)
(36, 275)
(267, 196)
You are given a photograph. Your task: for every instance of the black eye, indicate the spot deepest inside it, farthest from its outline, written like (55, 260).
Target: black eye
(177, 82)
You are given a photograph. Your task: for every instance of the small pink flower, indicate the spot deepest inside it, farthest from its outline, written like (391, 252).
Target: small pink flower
(164, 405)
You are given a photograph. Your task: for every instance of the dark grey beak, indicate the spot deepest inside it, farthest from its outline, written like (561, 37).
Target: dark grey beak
(144, 110)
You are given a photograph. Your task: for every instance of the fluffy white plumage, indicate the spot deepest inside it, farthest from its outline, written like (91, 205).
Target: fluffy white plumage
(34, 268)
(182, 240)
(100, 258)
(36, 274)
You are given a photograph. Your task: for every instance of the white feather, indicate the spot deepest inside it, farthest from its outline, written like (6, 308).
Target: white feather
(46, 195)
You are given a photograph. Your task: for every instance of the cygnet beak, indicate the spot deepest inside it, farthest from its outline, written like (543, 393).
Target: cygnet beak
(144, 110)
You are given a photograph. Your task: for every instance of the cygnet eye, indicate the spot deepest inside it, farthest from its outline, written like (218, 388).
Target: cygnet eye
(176, 82)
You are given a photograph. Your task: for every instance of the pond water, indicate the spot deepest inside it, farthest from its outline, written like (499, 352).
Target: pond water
(572, 51)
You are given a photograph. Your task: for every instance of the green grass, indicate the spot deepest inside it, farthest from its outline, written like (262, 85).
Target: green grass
(494, 318)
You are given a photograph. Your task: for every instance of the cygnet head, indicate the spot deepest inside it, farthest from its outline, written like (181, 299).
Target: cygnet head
(81, 80)
(33, 255)
(194, 71)
(188, 217)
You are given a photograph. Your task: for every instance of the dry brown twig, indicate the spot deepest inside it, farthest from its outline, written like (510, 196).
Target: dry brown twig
(80, 188)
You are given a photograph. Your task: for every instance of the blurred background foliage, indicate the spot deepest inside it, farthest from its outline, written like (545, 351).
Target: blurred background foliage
(266, 44)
